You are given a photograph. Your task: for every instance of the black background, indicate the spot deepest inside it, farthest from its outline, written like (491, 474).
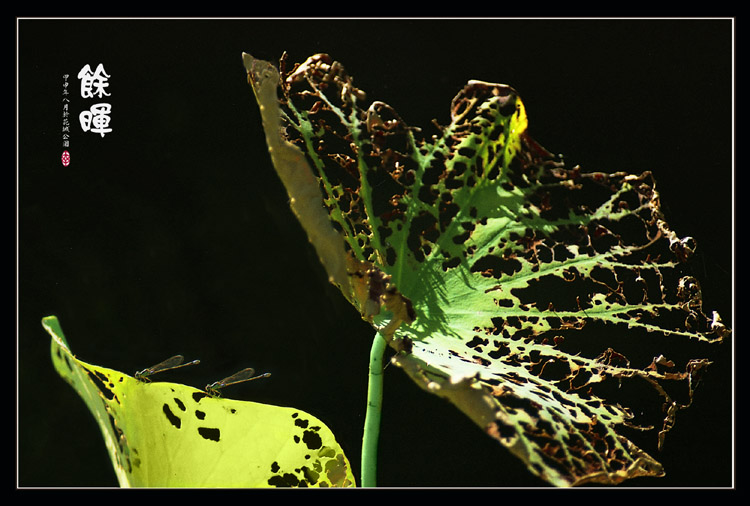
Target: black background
(172, 234)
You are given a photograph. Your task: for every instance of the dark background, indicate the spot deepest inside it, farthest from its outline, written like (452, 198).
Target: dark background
(172, 234)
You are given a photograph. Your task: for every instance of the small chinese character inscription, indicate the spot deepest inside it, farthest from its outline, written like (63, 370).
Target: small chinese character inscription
(66, 123)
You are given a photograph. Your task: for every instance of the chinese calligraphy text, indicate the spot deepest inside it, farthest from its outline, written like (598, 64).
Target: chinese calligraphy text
(93, 85)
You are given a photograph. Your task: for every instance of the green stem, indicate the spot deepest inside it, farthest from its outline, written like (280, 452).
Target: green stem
(372, 416)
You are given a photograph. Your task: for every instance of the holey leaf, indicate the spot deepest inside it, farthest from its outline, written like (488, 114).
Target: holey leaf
(171, 435)
(547, 303)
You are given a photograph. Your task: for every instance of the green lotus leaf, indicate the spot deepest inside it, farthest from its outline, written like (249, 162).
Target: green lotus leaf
(514, 287)
(162, 434)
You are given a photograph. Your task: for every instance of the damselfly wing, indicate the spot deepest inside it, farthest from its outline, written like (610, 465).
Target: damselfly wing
(247, 374)
(171, 363)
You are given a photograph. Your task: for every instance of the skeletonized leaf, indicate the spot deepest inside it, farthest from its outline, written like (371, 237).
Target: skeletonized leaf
(538, 299)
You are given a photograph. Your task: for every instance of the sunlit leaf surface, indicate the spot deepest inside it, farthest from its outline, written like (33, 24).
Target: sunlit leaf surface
(171, 435)
(545, 302)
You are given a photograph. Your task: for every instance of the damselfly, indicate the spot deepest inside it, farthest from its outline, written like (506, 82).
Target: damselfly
(239, 377)
(170, 363)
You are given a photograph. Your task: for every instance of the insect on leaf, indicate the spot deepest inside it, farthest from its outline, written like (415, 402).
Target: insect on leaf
(247, 374)
(174, 362)
(172, 435)
(547, 303)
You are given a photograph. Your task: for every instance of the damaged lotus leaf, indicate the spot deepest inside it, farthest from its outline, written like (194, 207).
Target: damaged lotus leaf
(171, 435)
(546, 303)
